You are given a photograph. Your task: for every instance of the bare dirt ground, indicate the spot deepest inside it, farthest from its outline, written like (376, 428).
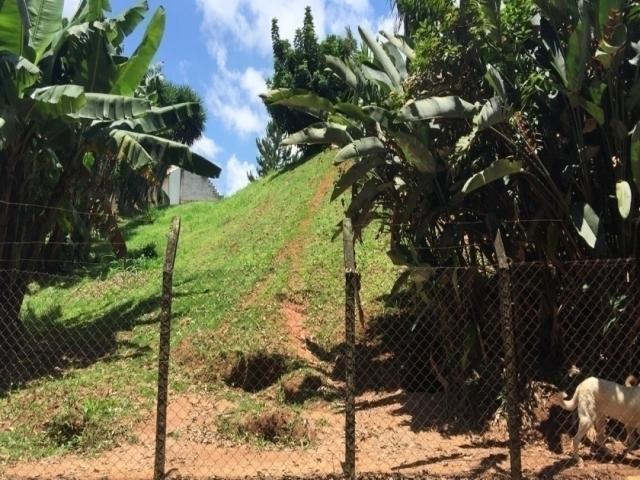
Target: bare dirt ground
(387, 444)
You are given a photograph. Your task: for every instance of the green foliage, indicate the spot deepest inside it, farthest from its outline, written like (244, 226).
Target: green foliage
(68, 120)
(134, 191)
(273, 155)
(303, 65)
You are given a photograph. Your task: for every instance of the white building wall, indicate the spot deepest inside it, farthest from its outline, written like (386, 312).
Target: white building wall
(196, 188)
(174, 186)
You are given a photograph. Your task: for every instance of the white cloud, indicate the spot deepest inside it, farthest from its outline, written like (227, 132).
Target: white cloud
(253, 82)
(248, 22)
(206, 147)
(70, 7)
(235, 25)
(234, 175)
(233, 96)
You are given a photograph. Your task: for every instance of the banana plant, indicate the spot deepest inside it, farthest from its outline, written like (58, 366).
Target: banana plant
(393, 167)
(68, 118)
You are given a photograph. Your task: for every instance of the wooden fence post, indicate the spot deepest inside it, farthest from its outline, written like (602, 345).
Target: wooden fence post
(510, 359)
(351, 290)
(165, 345)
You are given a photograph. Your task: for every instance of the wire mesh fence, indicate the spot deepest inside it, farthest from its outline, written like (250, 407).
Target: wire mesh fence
(260, 397)
(433, 376)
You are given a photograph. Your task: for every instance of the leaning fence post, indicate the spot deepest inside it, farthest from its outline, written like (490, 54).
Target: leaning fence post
(510, 359)
(351, 288)
(163, 355)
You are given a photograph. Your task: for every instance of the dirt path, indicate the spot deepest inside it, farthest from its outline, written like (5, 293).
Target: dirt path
(388, 440)
(294, 312)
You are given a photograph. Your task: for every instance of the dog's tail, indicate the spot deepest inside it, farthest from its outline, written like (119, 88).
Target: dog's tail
(560, 399)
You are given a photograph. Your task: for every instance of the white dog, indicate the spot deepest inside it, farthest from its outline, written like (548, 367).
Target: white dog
(597, 400)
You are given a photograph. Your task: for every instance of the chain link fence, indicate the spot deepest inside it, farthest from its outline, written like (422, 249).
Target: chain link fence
(433, 386)
(416, 386)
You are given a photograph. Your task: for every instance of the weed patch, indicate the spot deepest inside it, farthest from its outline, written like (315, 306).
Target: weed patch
(273, 426)
(86, 426)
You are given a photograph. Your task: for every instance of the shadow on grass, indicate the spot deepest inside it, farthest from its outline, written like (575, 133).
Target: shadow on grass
(48, 347)
(403, 362)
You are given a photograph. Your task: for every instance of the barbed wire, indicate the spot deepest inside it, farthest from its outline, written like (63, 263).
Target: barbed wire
(45, 207)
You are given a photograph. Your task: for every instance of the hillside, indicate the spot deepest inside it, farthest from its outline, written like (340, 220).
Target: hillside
(256, 274)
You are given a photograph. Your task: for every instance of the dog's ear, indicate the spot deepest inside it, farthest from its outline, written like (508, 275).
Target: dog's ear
(631, 381)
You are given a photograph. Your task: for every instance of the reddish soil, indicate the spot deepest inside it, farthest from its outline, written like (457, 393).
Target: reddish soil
(295, 317)
(390, 439)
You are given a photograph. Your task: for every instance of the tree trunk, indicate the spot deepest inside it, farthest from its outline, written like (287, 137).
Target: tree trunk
(13, 288)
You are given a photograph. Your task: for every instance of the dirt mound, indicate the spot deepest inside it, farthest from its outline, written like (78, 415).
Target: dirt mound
(301, 386)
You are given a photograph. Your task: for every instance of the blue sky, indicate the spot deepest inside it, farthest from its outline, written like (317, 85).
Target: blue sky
(222, 48)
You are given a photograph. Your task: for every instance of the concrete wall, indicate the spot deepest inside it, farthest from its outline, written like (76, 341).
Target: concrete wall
(196, 188)
(182, 187)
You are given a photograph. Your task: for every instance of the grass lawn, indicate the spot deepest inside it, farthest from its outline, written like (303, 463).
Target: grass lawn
(238, 260)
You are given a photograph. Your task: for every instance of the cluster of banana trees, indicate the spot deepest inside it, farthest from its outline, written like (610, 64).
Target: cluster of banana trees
(444, 171)
(69, 116)
(542, 143)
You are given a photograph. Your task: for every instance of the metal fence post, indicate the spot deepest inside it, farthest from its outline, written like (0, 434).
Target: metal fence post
(163, 355)
(351, 283)
(510, 359)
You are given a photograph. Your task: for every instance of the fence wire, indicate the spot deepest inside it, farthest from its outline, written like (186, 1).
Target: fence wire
(259, 397)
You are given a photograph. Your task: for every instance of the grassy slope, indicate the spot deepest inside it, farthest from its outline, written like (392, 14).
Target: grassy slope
(238, 260)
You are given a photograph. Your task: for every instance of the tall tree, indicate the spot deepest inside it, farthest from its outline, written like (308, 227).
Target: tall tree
(303, 65)
(272, 154)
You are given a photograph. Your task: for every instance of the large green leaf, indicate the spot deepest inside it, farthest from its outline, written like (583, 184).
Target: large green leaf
(382, 58)
(46, 22)
(492, 113)
(578, 55)
(608, 10)
(131, 73)
(415, 152)
(623, 195)
(400, 44)
(361, 148)
(586, 222)
(14, 28)
(356, 172)
(354, 112)
(363, 201)
(159, 120)
(437, 107)
(17, 74)
(102, 106)
(321, 133)
(91, 10)
(635, 155)
(398, 59)
(594, 110)
(142, 151)
(377, 77)
(494, 78)
(127, 149)
(307, 102)
(342, 70)
(201, 166)
(497, 170)
(58, 100)
(489, 13)
(94, 66)
(123, 25)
